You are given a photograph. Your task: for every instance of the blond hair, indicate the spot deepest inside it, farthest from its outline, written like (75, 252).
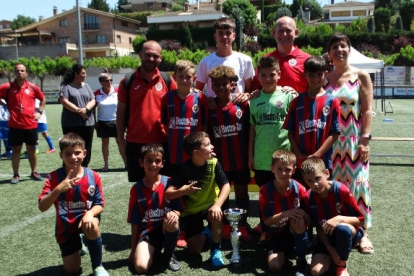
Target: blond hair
(313, 165)
(184, 66)
(284, 156)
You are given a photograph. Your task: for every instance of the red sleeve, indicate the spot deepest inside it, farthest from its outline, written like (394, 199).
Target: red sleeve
(121, 91)
(96, 93)
(132, 201)
(289, 122)
(38, 93)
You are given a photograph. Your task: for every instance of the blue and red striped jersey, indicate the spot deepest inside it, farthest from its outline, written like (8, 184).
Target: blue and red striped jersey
(182, 117)
(229, 127)
(74, 203)
(339, 201)
(147, 207)
(312, 121)
(271, 202)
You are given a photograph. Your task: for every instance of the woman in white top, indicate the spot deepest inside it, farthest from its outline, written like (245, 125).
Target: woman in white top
(107, 101)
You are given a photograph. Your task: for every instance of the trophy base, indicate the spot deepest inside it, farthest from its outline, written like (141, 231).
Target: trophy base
(236, 264)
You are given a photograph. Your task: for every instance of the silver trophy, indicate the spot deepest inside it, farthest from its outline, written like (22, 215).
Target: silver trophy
(234, 215)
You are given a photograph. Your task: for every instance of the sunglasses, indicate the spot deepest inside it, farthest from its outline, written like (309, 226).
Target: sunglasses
(110, 80)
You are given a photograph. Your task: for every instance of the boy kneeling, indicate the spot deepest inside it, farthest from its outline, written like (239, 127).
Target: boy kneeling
(153, 218)
(334, 212)
(77, 195)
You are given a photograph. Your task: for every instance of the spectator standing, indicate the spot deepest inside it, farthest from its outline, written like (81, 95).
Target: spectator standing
(353, 88)
(107, 101)
(20, 96)
(42, 128)
(78, 102)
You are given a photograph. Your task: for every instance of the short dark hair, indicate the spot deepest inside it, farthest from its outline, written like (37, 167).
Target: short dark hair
(157, 148)
(224, 23)
(71, 140)
(223, 71)
(338, 37)
(315, 64)
(268, 62)
(193, 141)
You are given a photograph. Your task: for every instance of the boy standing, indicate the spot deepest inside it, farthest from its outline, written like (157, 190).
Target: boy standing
(204, 188)
(279, 201)
(334, 212)
(312, 121)
(154, 220)
(267, 114)
(182, 111)
(224, 35)
(77, 195)
(229, 124)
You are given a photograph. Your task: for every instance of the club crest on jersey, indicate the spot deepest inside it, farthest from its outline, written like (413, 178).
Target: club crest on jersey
(239, 114)
(158, 86)
(196, 108)
(326, 110)
(91, 190)
(27, 91)
(338, 208)
(279, 104)
(297, 203)
(292, 62)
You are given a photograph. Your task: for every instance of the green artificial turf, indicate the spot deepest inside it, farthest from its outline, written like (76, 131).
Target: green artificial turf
(28, 247)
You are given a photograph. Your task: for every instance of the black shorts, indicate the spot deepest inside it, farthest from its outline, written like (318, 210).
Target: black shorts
(262, 177)
(155, 238)
(283, 242)
(106, 129)
(241, 177)
(194, 224)
(72, 245)
(19, 136)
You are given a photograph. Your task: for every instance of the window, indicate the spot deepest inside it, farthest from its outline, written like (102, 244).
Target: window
(130, 40)
(118, 39)
(340, 13)
(359, 13)
(101, 39)
(63, 23)
(64, 40)
(164, 4)
(91, 22)
(124, 24)
(1, 26)
(150, 5)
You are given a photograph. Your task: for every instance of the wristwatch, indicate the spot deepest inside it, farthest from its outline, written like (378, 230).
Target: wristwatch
(367, 136)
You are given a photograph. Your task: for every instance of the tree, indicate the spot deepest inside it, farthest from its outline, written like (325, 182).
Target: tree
(188, 41)
(248, 11)
(382, 17)
(120, 3)
(137, 43)
(99, 5)
(407, 14)
(283, 11)
(390, 4)
(316, 11)
(22, 21)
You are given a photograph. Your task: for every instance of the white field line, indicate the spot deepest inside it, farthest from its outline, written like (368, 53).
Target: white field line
(51, 212)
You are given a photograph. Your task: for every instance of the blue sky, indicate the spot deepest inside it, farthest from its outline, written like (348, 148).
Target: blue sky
(44, 8)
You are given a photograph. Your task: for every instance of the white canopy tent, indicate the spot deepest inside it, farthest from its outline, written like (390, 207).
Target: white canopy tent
(360, 61)
(370, 65)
